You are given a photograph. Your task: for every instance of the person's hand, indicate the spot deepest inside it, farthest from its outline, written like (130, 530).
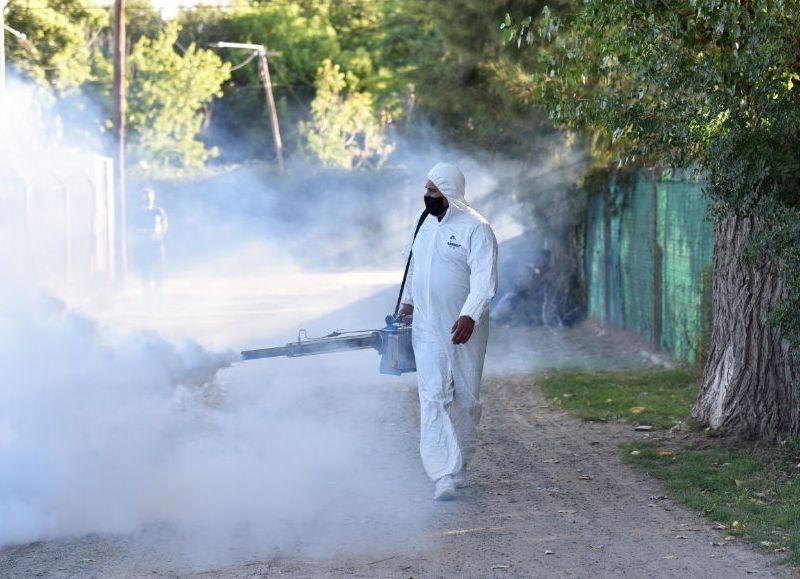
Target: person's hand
(462, 329)
(405, 313)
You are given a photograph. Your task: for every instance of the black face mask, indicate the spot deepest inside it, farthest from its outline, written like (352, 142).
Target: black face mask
(435, 205)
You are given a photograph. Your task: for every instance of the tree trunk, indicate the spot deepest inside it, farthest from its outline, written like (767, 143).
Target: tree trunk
(747, 384)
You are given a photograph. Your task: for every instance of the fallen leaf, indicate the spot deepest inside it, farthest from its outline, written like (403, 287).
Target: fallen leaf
(637, 409)
(635, 452)
(780, 550)
(766, 544)
(596, 547)
(548, 552)
(609, 400)
(737, 526)
(665, 453)
(585, 477)
(643, 428)
(738, 482)
(719, 526)
(670, 557)
(716, 544)
(551, 460)
(730, 538)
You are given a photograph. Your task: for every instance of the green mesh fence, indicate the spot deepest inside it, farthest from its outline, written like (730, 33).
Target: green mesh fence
(648, 254)
(595, 257)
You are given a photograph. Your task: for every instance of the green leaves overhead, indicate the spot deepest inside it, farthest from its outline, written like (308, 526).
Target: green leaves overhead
(656, 76)
(344, 130)
(168, 93)
(708, 84)
(62, 41)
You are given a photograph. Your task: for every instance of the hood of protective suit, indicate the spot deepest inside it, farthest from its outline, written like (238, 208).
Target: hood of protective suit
(450, 181)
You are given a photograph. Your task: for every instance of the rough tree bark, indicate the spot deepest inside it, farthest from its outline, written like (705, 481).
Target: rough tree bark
(747, 384)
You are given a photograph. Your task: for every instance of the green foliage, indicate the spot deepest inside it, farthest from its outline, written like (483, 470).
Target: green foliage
(61, 41)
(437, 59)
(167, 94)
(754, 493)
(709, 84)
(141, 19)
(660, 398)
(302, 37)
(343, 130)
(475, 89)
(381, 48)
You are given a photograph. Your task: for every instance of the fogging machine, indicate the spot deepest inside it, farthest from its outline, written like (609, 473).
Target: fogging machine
(393, 342)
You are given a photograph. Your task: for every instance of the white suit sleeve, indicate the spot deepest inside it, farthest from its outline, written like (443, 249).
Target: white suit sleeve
(483, 272)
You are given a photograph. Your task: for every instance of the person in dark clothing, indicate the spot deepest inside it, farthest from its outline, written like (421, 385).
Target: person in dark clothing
(149, 229)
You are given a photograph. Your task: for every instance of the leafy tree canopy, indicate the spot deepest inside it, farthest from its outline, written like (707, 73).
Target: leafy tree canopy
(713, 84)
(60, 38)
(343, 130)
(475, 89)
(167, 94)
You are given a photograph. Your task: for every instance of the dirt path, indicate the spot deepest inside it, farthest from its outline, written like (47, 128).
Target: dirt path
(528, 513)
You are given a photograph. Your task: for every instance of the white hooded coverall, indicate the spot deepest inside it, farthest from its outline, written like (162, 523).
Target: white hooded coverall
(453, 273)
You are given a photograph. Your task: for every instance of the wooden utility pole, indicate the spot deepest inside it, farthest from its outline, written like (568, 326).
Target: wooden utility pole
(119, 131)
(263, 70)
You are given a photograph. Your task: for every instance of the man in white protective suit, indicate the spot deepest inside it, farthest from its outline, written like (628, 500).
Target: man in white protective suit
(451, 280)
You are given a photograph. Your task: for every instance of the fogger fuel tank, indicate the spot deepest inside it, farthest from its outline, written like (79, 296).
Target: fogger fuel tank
(393, 343)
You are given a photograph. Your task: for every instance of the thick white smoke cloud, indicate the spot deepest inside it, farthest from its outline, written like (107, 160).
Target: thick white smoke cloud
(87, 420)
(108, 434)
(108, 430)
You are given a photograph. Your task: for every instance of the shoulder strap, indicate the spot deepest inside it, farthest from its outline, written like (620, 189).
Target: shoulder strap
(408, 263)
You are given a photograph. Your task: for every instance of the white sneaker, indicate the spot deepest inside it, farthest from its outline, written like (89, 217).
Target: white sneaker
(460, 479)
(445, 488)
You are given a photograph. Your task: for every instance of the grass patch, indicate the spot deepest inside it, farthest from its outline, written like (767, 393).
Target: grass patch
(660, 398)
(755, 493)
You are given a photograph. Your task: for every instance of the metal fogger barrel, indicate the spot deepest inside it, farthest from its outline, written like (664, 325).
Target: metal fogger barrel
(392, 342)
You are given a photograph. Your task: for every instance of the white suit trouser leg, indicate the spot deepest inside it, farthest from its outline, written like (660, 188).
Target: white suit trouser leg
(449, 411)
